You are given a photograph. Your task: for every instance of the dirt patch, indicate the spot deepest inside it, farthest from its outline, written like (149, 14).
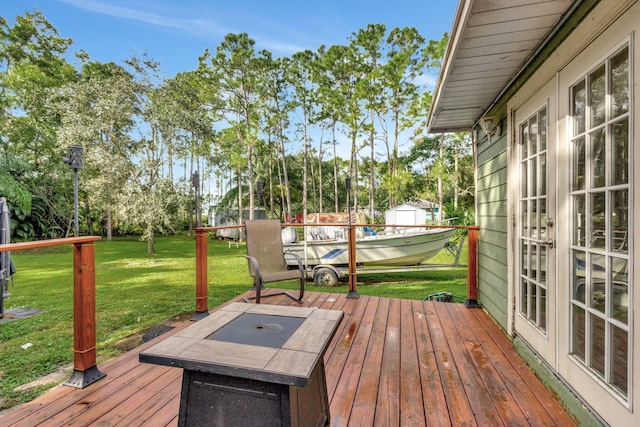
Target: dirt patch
(61, 374)
(134, 340)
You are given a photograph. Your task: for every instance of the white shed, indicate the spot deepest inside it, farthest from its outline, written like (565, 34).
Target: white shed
(405, 214)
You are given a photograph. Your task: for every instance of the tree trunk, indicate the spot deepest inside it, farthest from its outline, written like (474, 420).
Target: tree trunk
(320, 207)
(393, 200)
(335, 171)
(252, 201)
(372, 174)
(305, 187)
(240, 206)
(109, 224)
(271, 196)
(190, 233)
(353, 169)
(285, 174)
(456, 188)
(150, 248)
(440, 195)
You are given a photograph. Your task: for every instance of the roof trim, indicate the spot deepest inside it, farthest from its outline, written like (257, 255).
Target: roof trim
(462, 98)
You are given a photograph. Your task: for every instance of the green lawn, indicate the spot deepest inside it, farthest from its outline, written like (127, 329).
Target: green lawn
(135, 291)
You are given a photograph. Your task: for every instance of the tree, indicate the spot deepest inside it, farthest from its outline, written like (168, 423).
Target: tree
(32, 66)
(98, 113)
(301, 76)
(233, 71)
(404, 62)
(277, 104)
(367, 44)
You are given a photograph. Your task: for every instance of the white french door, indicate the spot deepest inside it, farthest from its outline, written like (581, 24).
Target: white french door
(534, 226)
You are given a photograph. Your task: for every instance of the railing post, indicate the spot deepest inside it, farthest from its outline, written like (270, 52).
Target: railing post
(351, 250)
(85, 371)
(202, 296)
(472, 268)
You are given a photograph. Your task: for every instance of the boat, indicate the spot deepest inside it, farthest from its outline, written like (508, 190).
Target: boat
(325, 245)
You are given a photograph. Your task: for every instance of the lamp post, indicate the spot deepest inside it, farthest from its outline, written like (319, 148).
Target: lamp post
(195, 181)
(75, 162)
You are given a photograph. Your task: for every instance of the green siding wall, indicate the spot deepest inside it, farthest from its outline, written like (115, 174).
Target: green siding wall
(491, 214)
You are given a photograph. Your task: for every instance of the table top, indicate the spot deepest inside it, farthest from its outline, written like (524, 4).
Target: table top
(288, 363)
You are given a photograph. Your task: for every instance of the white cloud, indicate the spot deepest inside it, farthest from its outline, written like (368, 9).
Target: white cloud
(199, 27)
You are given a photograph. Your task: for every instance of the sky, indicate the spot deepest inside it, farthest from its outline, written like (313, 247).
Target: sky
(176, 32)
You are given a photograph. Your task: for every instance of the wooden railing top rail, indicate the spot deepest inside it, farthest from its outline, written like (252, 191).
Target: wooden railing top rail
(339, 224)
(42, 243)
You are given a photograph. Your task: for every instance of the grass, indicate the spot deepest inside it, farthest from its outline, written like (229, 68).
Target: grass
(135, 291)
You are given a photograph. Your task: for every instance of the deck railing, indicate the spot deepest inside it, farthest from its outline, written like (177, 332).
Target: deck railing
(85, 371)
(84, 289)
(202, 236)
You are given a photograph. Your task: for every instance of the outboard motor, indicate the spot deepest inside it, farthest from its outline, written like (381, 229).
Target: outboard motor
(289, 235)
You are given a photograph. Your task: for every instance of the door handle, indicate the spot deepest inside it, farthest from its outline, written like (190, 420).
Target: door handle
(548, 243)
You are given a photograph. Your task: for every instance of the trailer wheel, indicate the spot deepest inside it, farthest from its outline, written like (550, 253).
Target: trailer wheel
(325, 277)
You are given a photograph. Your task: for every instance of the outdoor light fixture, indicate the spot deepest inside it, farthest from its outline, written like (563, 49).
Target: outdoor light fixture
(489, 126)
(195, 183)
(75, 162)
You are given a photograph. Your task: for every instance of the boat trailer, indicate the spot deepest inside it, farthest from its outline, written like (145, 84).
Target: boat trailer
(329, 275)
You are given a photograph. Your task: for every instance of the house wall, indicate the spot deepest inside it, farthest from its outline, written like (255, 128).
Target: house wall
(491, 216)
(609, 23)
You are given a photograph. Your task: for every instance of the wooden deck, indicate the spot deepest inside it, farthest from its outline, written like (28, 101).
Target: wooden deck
(392, 362)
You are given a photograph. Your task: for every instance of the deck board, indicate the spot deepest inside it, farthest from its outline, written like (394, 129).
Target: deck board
(391, 363)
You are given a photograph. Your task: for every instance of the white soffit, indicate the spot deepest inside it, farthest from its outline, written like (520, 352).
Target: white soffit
(490, 41)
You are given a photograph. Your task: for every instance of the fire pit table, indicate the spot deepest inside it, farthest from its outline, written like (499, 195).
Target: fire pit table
(249, 364)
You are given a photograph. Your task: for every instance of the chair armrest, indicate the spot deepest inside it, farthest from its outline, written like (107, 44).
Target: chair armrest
(297, 258)
(254, 262)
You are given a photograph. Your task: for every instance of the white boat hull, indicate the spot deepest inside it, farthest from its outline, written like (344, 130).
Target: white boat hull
(384, 250)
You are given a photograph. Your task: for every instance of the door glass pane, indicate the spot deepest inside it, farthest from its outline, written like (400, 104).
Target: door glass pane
(620, 221)
(579, 220)
(534, 220)
(534, 304)
(533, 186)
(535, 265)
(524, 250)
(579, 276)
(542, 318)
(543, 174)
(597, 221)
(524, 140)
(597, 344)
(524, 180)
(620, 154)
(620, 346)
(578, 108)
(543, 129)
(524, 220)
(598, 283)
(597, 96)
(620, 83)
(579, 163)
(542, 277)
(533, 136)
(599, 159)
(579, 341)
(620, 289)
(543, 219)
(524, 296)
